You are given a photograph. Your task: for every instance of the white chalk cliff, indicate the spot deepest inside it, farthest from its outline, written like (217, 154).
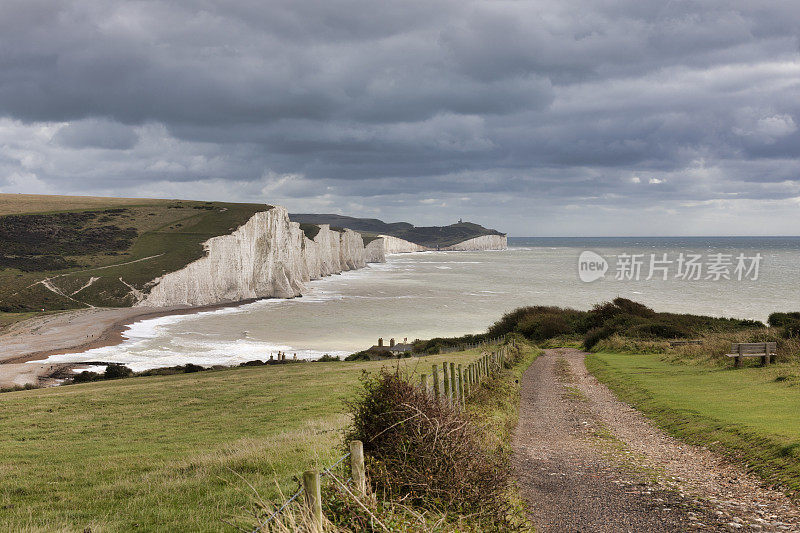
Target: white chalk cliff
(374, 251)
(393, 245)
(484, 242)
(270, 256)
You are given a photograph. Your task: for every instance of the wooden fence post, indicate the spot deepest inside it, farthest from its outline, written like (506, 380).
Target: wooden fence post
(446, 383)
(313, 495)
(436, 383)
(423, 383)
(357, 469)
(453, 385)
(466, 382)
(461, 387)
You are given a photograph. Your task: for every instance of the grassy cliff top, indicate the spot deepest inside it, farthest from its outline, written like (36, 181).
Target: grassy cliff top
(17, 204)
(92, 250)
(430, 236)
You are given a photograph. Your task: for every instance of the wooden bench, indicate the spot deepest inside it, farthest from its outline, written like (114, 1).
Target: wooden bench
(764, 350)
(684, 343)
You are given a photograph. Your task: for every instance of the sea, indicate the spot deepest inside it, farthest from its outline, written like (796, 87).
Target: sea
(429, 294)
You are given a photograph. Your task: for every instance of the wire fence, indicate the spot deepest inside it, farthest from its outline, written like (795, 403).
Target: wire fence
(469, 346)
(299, 492)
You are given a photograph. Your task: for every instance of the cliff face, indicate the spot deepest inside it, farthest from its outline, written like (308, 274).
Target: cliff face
(268, 256)
(485, 242)
(393, 245)
(374, 251)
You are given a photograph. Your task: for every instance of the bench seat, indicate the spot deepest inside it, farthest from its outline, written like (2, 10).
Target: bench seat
(764, 350)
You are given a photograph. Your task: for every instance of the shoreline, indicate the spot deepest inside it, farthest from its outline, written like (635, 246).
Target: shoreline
(40, 337)
(81, 330)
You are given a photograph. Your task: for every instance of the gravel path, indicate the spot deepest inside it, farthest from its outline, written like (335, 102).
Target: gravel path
(587, 462)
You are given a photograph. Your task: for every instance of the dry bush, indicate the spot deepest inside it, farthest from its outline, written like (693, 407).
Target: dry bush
(425, 454)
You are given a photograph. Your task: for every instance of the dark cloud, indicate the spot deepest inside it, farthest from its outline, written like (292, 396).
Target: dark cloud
(393, 108)
(91, 133)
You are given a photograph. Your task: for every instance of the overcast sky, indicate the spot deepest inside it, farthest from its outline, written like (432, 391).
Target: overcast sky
(548, 117)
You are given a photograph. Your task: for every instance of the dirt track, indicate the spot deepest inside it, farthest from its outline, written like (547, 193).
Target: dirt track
(587, 462)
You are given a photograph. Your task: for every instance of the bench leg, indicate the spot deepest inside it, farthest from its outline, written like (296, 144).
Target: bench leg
(769, 359)
(764, 359)
(737, 363)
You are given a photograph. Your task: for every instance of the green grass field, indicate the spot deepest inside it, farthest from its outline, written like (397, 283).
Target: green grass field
(751, 414)
(165, 453)
(168, 235)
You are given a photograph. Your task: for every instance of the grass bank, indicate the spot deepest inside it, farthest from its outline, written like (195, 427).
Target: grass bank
(749, 415)
(165, 453)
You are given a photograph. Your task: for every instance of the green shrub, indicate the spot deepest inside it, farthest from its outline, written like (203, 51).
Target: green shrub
(435, 345)
(660, 330)
(544, 326)
(779, 320)
(791, 328)
(596, 335)
(358, 356)
(86, 376)
(117, 371)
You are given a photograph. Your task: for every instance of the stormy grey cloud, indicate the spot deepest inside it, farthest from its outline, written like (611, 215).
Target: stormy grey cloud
(546, 117)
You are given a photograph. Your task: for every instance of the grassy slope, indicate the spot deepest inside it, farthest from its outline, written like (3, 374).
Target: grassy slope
(159, 453)
(172, 230)
(39, 203)
(749, 414)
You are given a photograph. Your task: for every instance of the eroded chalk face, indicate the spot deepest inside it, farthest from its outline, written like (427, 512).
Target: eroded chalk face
(591, 266)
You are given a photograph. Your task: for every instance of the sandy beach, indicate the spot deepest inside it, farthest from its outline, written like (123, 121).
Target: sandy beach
(71, 331)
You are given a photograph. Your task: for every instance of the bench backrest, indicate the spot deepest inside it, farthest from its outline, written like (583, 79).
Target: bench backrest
(684, 343)
(754, 347)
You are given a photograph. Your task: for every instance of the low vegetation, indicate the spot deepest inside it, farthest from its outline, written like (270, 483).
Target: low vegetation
(436, 344)
(622, 325)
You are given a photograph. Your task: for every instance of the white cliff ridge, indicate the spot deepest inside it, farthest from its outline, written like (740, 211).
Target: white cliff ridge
(484, 242)
(394, 245)
(270, 256)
